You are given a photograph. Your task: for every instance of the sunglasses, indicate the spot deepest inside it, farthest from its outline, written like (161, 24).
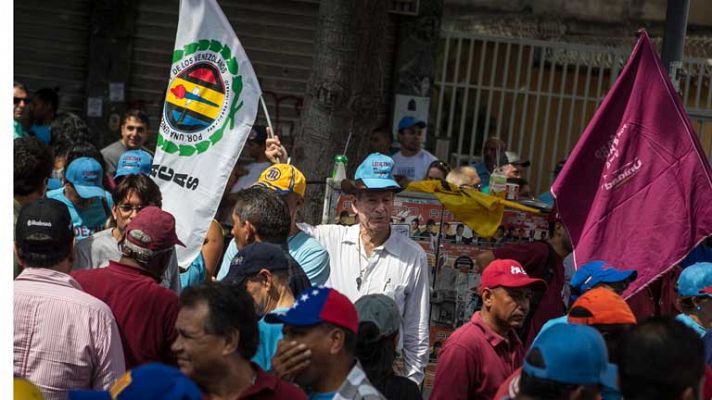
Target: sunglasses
(127, 208)
(18, 100)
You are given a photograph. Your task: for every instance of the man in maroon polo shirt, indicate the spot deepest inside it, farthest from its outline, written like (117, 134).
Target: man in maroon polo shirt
(144, 310)
(543, 259)
(480, 355)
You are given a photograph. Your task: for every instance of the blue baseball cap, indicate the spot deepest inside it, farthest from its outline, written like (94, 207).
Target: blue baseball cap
(594, 272)
(255, 257)
(694, 279)
(149, 381)
(570, 353)
(134, 162)
(374, 173)
(409, 122)
(85, 174)
(318, 305)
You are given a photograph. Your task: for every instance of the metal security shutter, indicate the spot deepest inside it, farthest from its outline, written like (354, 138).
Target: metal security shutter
(278, 36)
(51, 48)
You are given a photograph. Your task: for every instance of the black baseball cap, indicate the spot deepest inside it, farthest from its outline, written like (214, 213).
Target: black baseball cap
(255, 257)
(44, 227)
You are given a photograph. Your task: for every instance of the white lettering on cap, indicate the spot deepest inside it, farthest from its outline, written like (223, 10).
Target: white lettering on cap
(517, 270)
(34, 222)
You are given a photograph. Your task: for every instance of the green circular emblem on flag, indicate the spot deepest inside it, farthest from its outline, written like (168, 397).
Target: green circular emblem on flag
(202, 99)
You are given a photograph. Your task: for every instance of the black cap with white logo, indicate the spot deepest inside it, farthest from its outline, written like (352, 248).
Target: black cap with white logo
(44, 227)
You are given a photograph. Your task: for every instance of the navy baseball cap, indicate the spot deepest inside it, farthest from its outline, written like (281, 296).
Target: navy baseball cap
(85, 174)
(594, 272)
(134, 162)
(255, 257)
(694, 279)
(570, 353)
(318, 305)
(409, 122)
(374, 173)
(149, 381)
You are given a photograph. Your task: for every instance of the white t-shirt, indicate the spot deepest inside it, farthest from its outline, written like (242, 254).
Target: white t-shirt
(245, 181)
(415, 167)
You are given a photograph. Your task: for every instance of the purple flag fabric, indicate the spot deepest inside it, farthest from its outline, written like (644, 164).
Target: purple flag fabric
(637, 188)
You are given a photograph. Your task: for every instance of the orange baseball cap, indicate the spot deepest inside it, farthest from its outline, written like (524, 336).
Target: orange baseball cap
(605, 307)
(283, 179)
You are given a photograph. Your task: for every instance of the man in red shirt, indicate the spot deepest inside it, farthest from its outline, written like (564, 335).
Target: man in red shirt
(480, 355)
(144, 310)
(544, 260)
(217, 337)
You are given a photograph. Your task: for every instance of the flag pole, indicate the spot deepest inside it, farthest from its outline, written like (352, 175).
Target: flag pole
(269, 123)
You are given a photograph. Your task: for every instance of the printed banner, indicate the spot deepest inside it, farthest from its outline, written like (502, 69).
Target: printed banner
(210, 106)
(636, 190)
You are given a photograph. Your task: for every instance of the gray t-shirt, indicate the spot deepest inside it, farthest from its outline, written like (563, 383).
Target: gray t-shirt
(96, 251)
(111, 155)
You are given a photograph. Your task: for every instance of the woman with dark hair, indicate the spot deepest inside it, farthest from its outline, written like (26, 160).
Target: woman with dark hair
(379, 320)
(437, 170)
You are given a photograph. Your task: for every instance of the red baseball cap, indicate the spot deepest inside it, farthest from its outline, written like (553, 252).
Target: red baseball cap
(508, 273)
(317, 305)
(152, 229)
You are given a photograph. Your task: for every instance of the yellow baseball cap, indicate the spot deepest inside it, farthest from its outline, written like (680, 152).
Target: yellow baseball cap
(283, 178)
(25, 390)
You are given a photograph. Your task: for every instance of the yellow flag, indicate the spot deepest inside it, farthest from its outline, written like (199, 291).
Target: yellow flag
(481, 212)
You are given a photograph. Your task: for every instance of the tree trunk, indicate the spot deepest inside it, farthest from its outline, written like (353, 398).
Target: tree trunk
(344, 93)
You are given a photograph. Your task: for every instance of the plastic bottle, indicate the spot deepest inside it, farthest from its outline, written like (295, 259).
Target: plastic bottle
(338, 174)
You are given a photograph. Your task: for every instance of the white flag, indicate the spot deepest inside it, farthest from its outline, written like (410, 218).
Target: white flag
(210, 106)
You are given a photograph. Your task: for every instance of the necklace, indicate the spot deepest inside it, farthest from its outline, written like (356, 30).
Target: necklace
(359, 278)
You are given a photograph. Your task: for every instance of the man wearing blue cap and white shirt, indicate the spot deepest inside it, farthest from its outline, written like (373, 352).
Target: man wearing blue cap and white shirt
(567, 362)
(591, 275)
(371, 258)
(83, 192)
(412, 160)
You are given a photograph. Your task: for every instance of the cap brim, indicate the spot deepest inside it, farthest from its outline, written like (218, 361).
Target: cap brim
(352, 187)
(89, 395)
(89, 192)
(522, 163)
(609, 377)
(533, 283)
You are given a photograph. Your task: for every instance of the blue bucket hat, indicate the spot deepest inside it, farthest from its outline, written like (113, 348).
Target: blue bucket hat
(694, 279)
(374, 173)
(409, 122)
(150, 381)
(594, 272)
(134, 162)
(85, 174)
(574, 354)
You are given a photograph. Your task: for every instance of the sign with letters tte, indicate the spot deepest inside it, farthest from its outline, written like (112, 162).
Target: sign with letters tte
(210, 106)
(636, 191)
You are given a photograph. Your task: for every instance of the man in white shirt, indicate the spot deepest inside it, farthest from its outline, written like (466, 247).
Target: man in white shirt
(372, 258)
(411, 161)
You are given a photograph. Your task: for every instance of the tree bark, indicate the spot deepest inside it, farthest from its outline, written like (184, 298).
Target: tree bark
(345, 91)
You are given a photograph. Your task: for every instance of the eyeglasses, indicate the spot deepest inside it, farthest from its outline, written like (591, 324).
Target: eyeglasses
(18, 100)
(127, 208)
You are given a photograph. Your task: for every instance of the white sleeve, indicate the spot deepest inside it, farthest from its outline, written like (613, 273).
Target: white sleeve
(416, 332)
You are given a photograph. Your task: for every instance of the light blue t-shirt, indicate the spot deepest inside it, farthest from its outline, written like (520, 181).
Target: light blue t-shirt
(87, 220)
(309, 253)
(195, 274)
(322, 396)
(687, 320)
(270, 335)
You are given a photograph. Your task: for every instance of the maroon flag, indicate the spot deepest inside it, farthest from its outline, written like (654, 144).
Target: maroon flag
(637, 188)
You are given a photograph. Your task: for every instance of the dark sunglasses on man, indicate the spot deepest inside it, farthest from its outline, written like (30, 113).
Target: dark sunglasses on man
(18, 100)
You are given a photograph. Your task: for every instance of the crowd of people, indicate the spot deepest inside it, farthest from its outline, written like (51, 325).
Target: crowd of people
(280, 309)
